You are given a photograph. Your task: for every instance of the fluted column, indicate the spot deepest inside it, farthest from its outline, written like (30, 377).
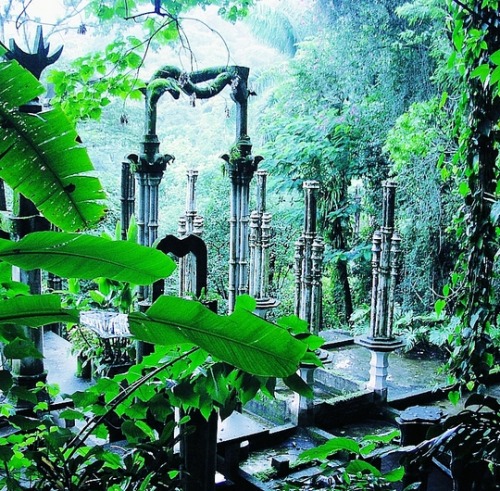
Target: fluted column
(191, 224)
(299, 254)
(385, 271)
(260, 241)
(309, 251)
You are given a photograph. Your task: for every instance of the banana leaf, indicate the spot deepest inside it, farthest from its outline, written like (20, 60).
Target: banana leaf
(242, 339)
(40, 156)
(35, 311)
(73, 255)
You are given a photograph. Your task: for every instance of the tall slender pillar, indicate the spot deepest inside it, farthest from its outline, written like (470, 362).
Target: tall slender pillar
(127, 197)
(241, 169)
(25, 217)
(308, 270)
(260, 241)
(192, 223)
(309, 251)
(241, 166)
(385, 271)
(149, 171)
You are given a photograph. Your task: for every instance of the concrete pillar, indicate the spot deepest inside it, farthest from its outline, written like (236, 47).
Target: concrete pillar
(127, 197)
(302, 408)
(199, 452)
(308, 267)
(385, 271)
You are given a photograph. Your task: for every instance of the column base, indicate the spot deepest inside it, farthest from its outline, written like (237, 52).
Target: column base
(302, 410)
(380, 350)
(264, 305)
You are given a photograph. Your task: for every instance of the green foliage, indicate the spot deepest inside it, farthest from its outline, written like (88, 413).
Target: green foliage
(476, 39)
(87, 256)
(274, 27)
(177, 321)
(470, 437)
(425, 202)
(92, 81)
(58, 183)
(355, 472)
(425, 331)
(34, 311)
(43, 453)
(110, 10)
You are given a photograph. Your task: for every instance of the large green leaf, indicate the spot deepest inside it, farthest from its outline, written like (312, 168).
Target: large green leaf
(331, 447)
(241, 339)
(87, 257)
(41, 158)
(35, 310)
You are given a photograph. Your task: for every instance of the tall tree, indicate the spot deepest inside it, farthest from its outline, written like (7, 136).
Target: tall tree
(329, 118)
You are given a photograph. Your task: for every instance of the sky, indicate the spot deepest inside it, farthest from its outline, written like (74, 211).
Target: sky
(213, 40)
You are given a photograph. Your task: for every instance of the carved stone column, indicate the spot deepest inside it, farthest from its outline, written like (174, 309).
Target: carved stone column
(385, 271)
(260, 241)
(309, 250)
(241, 166)
(192, 224)
(149, 171)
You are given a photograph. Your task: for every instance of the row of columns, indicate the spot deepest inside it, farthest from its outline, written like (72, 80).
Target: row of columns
(249, 233)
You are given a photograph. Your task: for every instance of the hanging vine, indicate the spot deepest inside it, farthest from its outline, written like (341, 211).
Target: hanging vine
(476, 37)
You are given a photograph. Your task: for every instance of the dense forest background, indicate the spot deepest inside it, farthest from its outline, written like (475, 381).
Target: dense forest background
(348, 93)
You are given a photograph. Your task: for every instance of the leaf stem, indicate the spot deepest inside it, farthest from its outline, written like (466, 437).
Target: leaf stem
(86, 431)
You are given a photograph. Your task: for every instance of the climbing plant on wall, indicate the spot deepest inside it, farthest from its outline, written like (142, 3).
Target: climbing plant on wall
(476, 38)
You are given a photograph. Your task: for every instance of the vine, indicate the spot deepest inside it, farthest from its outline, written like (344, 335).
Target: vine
(476, 38)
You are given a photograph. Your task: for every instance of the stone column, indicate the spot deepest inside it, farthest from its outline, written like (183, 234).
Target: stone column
(302, 409)
(127, 197)
(260, 241)
(198, 449)
(318, 249)
(240, 171)
(25, 217)
(385, 270)
(308, 269)
(309, 250)
(299, 254)
(149, 171)
(241, 166)
(193, 224)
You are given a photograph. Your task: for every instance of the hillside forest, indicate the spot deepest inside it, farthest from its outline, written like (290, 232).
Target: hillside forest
(346, 93)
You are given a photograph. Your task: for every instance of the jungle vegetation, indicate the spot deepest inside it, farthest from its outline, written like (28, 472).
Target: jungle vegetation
(357, 92)
(351, 94)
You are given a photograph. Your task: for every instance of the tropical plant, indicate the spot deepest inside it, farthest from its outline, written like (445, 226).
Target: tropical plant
(65, 193)
(467, 444)
(245, 351)
(471, 293)
(351, 468)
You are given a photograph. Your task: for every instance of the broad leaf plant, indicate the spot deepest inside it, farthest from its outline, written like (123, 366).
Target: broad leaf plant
(202, 360)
